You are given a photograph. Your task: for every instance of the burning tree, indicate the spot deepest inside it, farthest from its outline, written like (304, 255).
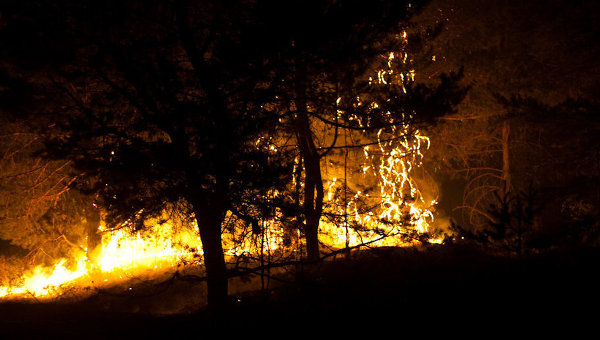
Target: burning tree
(343, 91)
(314, 65)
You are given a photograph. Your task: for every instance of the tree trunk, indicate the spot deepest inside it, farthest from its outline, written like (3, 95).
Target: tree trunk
(313, 183)
(209, 227)
(208, 208)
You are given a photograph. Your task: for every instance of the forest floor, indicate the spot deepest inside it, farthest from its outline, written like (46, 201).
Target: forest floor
(400, 289)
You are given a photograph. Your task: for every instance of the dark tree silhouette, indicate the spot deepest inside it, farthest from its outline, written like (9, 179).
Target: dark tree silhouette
(159, 104)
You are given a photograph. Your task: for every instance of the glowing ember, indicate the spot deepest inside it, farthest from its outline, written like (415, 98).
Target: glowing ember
(399, 208)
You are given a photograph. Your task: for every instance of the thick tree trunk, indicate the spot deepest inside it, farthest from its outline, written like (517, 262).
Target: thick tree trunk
(313, 183)
(209, 212)
(209, 227)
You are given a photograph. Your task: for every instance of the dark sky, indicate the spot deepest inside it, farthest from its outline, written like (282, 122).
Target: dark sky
(546, 49)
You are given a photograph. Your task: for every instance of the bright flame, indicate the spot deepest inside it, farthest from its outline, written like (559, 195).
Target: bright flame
(42, 281)
(162, 246)
(120, 255)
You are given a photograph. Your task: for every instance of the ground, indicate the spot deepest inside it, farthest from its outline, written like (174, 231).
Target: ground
(455, 287)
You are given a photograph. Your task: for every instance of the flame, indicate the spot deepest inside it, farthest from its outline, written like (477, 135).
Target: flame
(124, 254)
(160, 246)
(43, 281)
(121, 254)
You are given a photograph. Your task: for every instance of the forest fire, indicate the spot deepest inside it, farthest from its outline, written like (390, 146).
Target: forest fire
(123, 253)
(392, 212)
(181, 167)
(398, 210)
